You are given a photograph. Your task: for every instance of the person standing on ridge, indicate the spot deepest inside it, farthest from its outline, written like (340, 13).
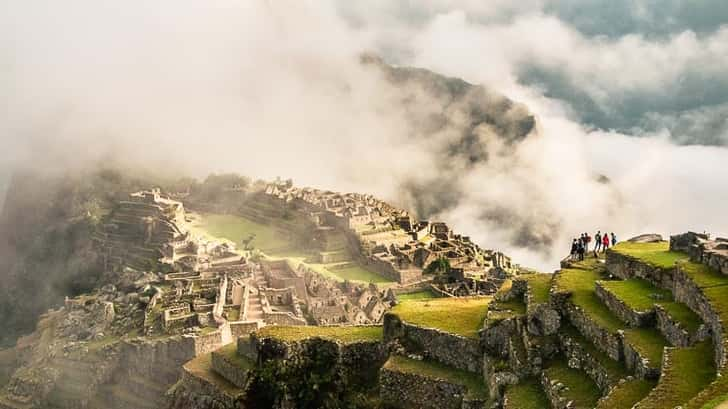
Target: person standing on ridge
(574, 248)
(614, 239)
(605, 242)
(597, 241)
(587, 240)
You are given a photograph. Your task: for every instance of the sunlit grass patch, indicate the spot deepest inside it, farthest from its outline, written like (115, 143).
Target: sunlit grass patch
(656, 254)
(345, 334)
(461, 316)
(434, 370)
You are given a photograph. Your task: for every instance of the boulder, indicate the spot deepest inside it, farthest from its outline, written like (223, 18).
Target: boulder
(646, 238)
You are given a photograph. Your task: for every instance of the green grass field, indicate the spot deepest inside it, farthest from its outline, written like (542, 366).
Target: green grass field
(237, 229)
(656, 254)
(527, 394)
(460, 316)
(636, 293)
(626, 394)
(474, 383)
(230, 352)
(581, 389)
(539, 284)
(417, 295)
(342, 334)
(690, 371)
(357, 273)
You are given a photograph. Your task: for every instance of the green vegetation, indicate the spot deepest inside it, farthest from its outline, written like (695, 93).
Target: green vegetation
(342, 334)
(581, 283)
(636, 293)
(357, 273)
(712, 396)
(417, 295)
(649, 342)
(526, 395)
(500, 310)
(702, 275)
(237, 229)
(202, 368)
(581, 389)
(656, 254)
(460, 316)
(539, 284)
(616, 370)
(641, 295)
(691, 370)
(230, 352)
(626, 394)
(434, 370)
(682, 314)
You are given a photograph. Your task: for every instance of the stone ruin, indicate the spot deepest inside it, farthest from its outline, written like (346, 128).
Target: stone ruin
(389, 241)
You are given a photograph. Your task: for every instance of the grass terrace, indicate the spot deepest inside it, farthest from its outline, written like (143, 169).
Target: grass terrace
(357, 273)
(526, 395)
(539, 284)
(615, 370)
(649, 342)
(202, 368)
(636, 293)
(460, 316)
(500, 310)
(230, 352)
(641, 295)
(690, 370)
(237, 229)
(581, 283)
(702, 275)
(581, 389)
(343, 334)
(417, 295)
(656, 254)
(434, 370)
(626, 394)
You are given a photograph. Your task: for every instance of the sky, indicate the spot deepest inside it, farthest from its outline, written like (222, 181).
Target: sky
(636, 91)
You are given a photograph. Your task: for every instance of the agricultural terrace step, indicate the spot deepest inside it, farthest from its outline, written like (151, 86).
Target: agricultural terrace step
(563, 384)
(472, 383)
(538, 288)
(233, 367)
(686, 371)
(201, 368)
(527, 394)
(462, 316)
(605, 371)
(344, 334)
(581, 284)
(626, 394)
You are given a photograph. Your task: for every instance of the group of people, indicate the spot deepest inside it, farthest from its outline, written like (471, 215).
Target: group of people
(580, 246)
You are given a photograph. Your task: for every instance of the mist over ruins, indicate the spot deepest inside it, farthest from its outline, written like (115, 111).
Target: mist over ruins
(388, 204)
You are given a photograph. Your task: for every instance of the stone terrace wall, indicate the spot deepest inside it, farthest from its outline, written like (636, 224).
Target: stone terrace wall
(713, 253)
(578, 357)
(622, 311)
(449, 349)
(418, 392)
(688, 293)
(626, 267)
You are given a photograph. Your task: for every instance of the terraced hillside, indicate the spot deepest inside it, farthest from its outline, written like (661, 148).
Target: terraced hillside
(639, 328)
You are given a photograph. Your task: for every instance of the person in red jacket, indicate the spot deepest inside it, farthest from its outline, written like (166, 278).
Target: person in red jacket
(605, 242)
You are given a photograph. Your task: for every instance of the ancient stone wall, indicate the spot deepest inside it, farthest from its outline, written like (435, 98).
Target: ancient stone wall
(622, 311)
(449, 349)
(413, 391)
(626, 267)
(579, 357)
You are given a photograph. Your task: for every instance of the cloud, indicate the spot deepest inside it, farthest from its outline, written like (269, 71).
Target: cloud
(275, 88)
